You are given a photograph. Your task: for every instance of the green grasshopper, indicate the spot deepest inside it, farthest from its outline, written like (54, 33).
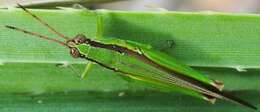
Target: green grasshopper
(140, 63)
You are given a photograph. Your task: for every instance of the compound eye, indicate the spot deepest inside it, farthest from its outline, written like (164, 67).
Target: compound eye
(80, 39)
(74, 52)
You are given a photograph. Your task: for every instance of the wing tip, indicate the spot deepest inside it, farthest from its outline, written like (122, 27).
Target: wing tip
(227, 96)
(232, 98)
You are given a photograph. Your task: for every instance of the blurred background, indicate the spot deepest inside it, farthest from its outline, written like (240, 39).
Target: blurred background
(237, 6)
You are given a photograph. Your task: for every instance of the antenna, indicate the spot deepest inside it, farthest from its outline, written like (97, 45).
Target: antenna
(51, 29)
(37, 35)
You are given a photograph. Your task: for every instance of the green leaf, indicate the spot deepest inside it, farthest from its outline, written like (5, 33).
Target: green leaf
(206, 39)
(53, 3)
(113, 102)
(203, 40)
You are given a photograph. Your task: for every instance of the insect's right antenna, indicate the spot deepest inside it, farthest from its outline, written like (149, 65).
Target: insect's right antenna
(43, 22)
(36, 34)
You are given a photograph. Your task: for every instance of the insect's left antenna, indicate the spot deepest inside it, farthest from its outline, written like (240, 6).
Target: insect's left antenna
(36, 34)
(51, 29)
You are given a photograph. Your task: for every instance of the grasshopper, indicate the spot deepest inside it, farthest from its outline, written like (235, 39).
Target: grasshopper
(139, 62)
